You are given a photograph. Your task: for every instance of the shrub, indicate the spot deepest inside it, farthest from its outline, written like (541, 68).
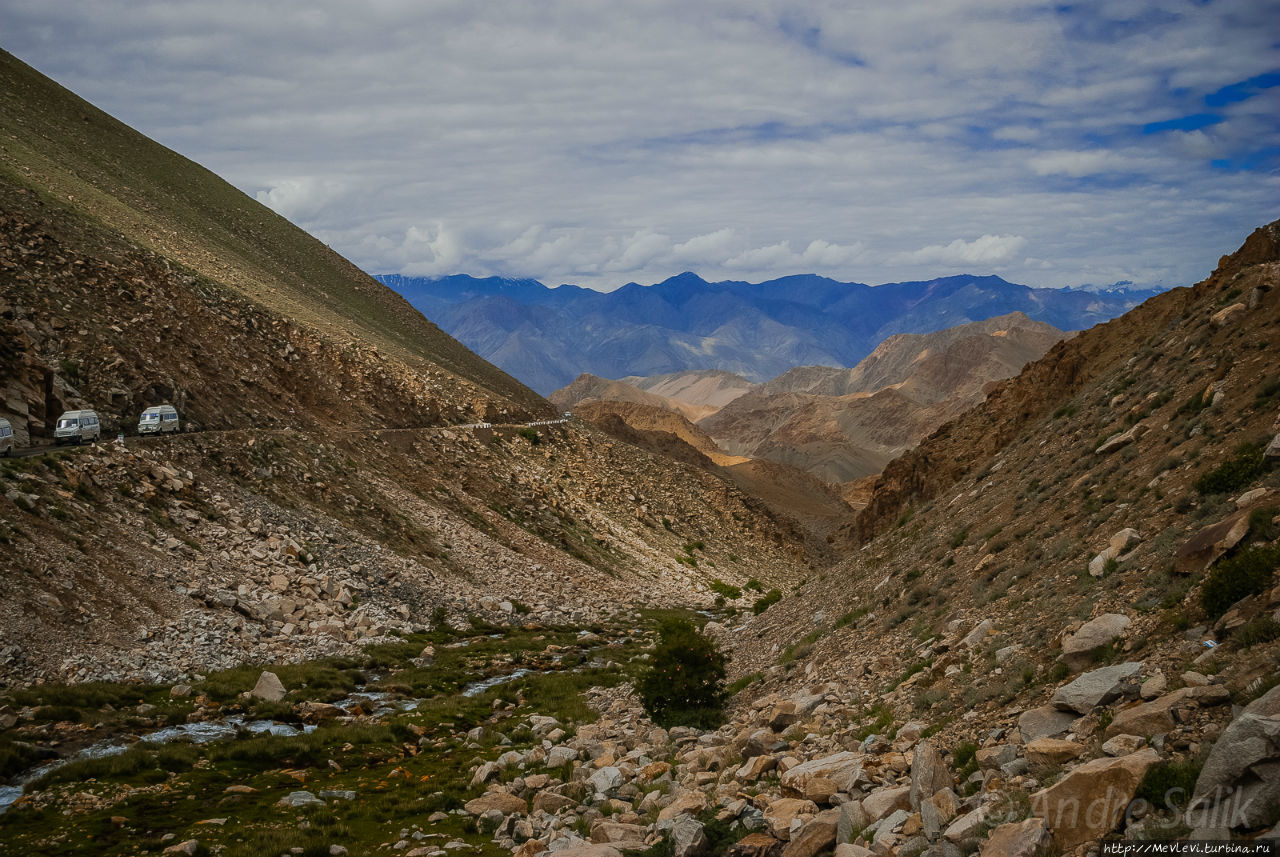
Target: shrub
(728, 590)
(1247, 573)
(1261, 523)
(1263, 629)
(764, 602)
(755, 585)
(684, 685)
(1169, 784)
(1246, 465)
(530, 435)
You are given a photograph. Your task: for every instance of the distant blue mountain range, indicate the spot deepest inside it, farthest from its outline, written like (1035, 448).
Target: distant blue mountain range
(547, 336)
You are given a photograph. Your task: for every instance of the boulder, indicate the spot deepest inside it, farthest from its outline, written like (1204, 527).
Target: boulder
(689, 802)
(617, 833)
(885, 801)
(589, 849)
(1123, 745)
(780, 813)
(298, 799)
(552, 803)
(1089, 801)
(1045, 722)
(687, 838)
(1049, 752)
(929, 774)
(848, 849)
(268, 688)
(605, 780)
(1080, 648)
(1239, 785)
(978, 635)
(1028, 838)
(815, 837)
(1161, 715)
(852, 818)
(1098, 687)
(1206, 546)
(755, 845)
(507, 804)
(844, 769)
(967, 825)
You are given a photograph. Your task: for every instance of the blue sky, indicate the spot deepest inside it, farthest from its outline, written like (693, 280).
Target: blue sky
(600, 143)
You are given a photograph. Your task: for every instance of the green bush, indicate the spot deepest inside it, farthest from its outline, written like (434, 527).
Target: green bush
(764, 602)
(728, 590)
(1246, 465)
(684, 685)
(1169, 784)
(1263, 629)
(530, 435)
(1247, 573)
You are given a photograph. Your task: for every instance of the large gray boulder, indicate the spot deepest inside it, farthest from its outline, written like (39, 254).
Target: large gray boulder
(1098, 687)
(268, 688)
(1079, 649)
(1239, 785)
(687, 837)
(929, 774)
(1045, 722)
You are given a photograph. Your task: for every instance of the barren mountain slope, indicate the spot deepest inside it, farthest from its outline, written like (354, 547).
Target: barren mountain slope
(1122, 479)
(827, 421)
(816, 509)
(709, 388)
(288, 522)
(957, 448)
(94, 176)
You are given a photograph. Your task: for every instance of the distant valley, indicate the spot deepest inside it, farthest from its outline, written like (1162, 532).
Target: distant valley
(840, 425)
(546, 337)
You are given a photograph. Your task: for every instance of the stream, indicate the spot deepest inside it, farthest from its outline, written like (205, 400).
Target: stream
(369, 703)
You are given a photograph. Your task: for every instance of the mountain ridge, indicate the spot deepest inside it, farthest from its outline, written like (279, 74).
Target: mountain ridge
(757, 330)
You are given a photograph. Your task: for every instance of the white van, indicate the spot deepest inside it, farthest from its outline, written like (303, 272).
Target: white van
(6, 438)
(77, 427)
(160, 419)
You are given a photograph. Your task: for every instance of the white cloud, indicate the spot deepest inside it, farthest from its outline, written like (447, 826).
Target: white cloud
(299, 199)
(986, 250)
(582, 142)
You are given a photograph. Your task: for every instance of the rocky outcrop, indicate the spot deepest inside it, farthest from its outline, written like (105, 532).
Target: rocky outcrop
(1090, 800)
(1239, 786)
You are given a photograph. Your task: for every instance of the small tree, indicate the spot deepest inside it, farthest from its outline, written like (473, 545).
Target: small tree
(684, 685)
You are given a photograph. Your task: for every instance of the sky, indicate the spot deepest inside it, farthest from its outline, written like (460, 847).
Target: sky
(599, 143)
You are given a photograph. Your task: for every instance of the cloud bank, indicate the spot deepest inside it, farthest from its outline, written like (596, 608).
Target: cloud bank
(574, 141)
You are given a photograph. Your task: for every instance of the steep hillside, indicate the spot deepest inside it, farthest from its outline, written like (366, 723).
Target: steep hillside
(548, 336)
(319, 497)
(646, 417)
(960, 447)
(135, 275)
(846, 424)
(817, 512)
(1075, 579)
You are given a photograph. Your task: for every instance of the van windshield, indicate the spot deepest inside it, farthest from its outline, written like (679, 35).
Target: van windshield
(72, 423)
(150, 418)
